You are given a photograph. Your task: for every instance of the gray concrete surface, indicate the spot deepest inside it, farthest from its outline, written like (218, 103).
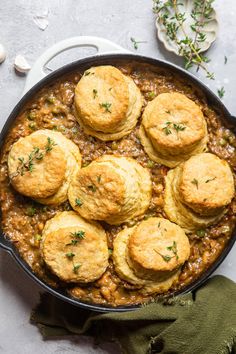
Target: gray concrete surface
(116, 20)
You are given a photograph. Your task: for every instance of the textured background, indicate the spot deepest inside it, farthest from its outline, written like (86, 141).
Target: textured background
(116, 20)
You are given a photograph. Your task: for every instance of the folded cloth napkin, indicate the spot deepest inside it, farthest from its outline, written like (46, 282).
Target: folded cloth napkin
(203, 322)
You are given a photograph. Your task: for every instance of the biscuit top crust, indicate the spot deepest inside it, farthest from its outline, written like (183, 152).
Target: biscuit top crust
(77, 253)
(100, 188)
(206, 183)
(173, 121)
(37, 166)
(102, 98)
(157, 244)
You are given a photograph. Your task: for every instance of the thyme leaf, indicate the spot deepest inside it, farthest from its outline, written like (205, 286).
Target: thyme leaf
(195, 181)
(106, 106)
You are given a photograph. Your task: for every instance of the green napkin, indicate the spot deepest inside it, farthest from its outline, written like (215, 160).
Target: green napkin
(200, 323)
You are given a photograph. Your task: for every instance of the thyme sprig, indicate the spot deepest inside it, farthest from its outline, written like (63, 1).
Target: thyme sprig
(173, 249)
(172, 19)
(177, 127)
(36, 155)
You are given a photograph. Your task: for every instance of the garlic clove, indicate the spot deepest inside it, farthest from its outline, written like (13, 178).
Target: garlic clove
(3, 53)
(21, 65)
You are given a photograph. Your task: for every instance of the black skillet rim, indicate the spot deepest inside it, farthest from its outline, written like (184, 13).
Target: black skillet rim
(84, 64)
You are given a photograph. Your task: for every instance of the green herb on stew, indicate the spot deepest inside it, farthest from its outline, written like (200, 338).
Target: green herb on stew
(31, 115)
(150, 164)
(30, 211)
(221, 92)
(195, 182)
(151, 94)
(210, 179)
(136, 43)
(51, 99)
(50, 144)
(92, 188)
(32, 126)
(78, 202)
(106, 106)
(110, 251)
(201, 233)
(95, 93)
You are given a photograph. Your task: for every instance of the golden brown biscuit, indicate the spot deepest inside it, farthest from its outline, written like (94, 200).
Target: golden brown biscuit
(206, 184)
(41, 165)
(120, 249)
(107, 103)
(112, 188)
(173, 129)
(180, 213)
(69, 251)
(157, 249)
(194, 198)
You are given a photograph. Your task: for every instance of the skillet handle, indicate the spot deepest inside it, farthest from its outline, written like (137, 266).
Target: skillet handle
(102, 45)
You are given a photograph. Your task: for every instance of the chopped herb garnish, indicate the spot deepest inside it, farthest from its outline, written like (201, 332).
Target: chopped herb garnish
(92, 187)
(50, 144)
(32, 126)
(95, 93)
(179, 127)
(173, 248)
(51, 99)
(31, 115)
(136, 43)
(78, 202)
(78, 234)
(159, 224)
(169, 125)
(30, 211)
(210, 179)
(37, 238)
(150, 164)
(110, 88)
(165, 257)
(167, 111)
(151, 94)
(106, 106)
(99, 178)
(76, 267)
(195, 181)
(70, 255)
(166, 129)
(201, 233)
(221, 92)
(110, 251)
(225, 60)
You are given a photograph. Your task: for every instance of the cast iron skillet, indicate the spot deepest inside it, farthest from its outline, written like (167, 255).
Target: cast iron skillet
(82, 65)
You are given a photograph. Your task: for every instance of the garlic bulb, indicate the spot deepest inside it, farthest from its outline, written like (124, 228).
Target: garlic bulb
(3, 53)
(21, 64)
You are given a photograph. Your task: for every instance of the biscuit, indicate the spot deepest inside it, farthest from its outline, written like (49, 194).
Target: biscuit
(69, 251)
(107, 103)
(205, 206)
(157, 248)
(122, 268)
(41, 165)
(173, 128)
(112, 188)
(206, 184)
